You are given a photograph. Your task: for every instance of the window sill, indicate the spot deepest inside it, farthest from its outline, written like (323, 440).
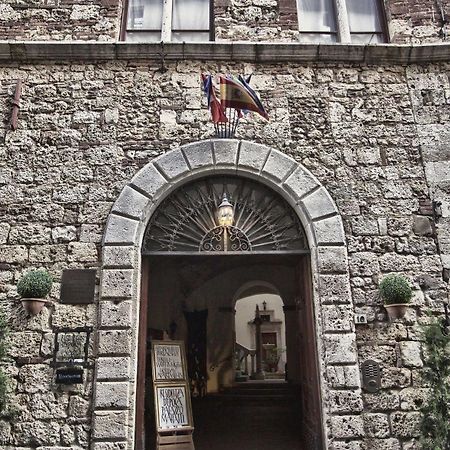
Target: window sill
(220, 51)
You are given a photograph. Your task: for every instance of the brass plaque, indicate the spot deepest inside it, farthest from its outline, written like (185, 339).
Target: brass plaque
(77, 286)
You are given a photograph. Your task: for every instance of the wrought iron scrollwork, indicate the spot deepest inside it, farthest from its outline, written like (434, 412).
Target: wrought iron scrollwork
(187, 220)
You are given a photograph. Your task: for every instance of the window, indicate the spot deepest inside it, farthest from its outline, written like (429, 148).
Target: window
(168, 20)
(361, 21)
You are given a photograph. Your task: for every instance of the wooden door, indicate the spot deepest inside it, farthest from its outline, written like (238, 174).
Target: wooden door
(309, 374)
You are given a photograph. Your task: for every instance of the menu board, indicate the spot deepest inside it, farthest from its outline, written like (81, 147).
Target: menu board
(172, 407)
(172, 394)
(168, 361)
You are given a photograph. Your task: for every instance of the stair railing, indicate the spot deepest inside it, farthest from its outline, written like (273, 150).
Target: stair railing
(241, 356)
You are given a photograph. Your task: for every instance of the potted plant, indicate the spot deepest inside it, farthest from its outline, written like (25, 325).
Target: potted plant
(33, 288)
(396, 293)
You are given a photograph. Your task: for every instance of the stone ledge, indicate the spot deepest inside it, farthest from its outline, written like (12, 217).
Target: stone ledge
(374, 54)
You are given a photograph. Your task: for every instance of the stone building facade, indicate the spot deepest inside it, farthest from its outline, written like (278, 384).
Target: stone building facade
(365, 126)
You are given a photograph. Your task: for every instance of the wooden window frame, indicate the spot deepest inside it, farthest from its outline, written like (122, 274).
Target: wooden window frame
(124, 20)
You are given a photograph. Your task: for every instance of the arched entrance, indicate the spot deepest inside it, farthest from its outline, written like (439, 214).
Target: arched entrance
(123, 298)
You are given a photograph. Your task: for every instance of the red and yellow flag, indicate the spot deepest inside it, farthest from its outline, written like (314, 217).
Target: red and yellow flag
(234, 95)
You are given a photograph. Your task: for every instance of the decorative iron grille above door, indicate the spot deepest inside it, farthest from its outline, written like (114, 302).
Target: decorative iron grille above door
(254, 219)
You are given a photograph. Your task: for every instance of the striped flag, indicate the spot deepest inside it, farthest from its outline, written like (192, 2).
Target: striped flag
(234, 94)
(217, 111)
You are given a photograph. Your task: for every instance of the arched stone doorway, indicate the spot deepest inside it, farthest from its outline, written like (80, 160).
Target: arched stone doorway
(116, 378)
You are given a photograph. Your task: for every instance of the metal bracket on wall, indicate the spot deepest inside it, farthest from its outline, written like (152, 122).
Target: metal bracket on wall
(72, 347)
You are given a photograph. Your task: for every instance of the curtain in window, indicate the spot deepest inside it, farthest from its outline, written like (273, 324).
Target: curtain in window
(145, 15)
(190, 20)
(316, 15)
(317, 21)
(364, 18)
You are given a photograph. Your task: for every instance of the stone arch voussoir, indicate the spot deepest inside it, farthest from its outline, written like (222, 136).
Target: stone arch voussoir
(120, 275)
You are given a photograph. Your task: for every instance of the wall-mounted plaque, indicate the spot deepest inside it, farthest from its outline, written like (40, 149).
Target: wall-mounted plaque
(72, 375)
(168, 361)
(77, 286)
(173, 407)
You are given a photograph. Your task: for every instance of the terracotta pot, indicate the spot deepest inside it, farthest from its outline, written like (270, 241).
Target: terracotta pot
(34, 306)
(396, 310)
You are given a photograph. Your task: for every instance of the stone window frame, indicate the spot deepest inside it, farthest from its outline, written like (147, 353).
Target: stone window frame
(342, 22)
(115, 375)
(166, 26)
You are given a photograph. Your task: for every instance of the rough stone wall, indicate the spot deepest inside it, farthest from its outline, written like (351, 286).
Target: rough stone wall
(85, 130)
(409, 21)
(418, 21)
(60, 20)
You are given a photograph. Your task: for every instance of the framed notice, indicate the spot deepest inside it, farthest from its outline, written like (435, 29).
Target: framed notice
(173, 407)
(168, 361)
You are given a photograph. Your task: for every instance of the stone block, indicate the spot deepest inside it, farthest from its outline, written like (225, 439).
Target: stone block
(319, 204)
(382, 444)
(332, 260)
(110, 425)
(437, 172)
(110, 446)
(364, 264)
(82, 252)
(345, 401)
(4, 232)
(198, 154)
(172, 164)
(395, 377)
(35, 378)
(340, 348)
(23, 344)
(119, 256)
(412, 399)
(365, 226)
(410, 353)
(347, 426)
(64, 234)
(300, 183)
(252, 156)
(116, 315)
(117, 283)
(381, 401)
(376, 425)
(111, 395)
(405, 424)
(225, 151)
(29, 234)
(337, 318)
(72, 316)
(278, 166)
(113, 368)
(13, 254)
(78, 407)
(120, 230)
(343, 376)
(131, 203)
(114, 342)
(392, 262)
(334, 289)
(423, 226)
(346, 445)
(329, 231)
(149, 180)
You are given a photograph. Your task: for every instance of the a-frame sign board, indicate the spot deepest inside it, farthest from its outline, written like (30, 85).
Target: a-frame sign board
(173, 410)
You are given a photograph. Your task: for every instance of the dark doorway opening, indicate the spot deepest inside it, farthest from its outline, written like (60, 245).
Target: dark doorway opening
(192, 298)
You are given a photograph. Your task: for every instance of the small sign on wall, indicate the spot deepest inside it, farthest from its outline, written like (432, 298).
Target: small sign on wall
(173, 407)
(72, 375)
(77, 286)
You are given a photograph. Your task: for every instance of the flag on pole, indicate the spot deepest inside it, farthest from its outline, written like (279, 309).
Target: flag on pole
(233, 94)
(217, 111)
(246, 84)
